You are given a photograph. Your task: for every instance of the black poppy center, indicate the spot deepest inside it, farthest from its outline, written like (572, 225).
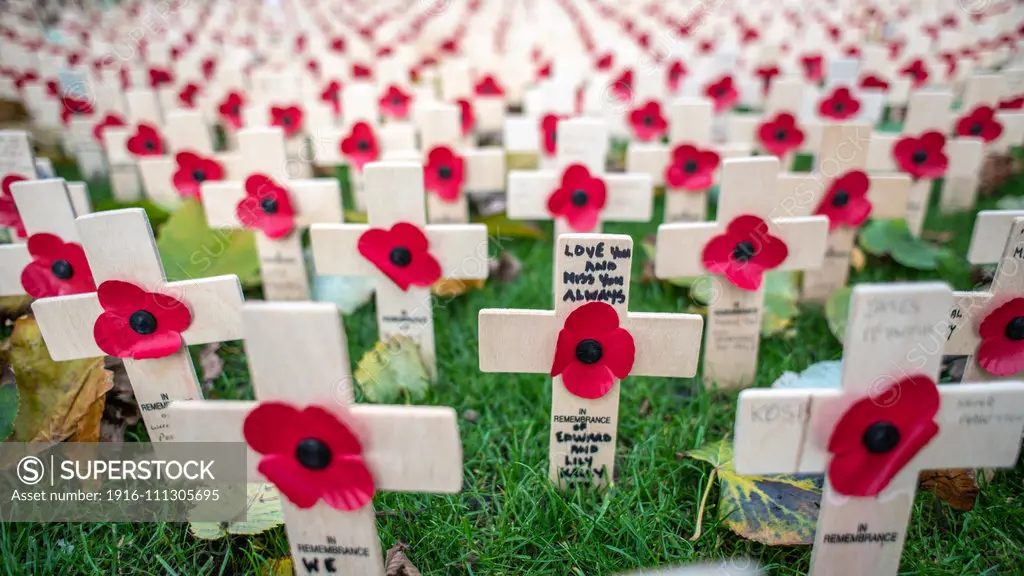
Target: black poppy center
(396, 100)
(1015, 328)
(313, 454)
(743, 251)
(975, 130)
(62, 269)
(269, 205)
(648, 120)
(588, 351)
(838, 107)
(780, 135)
(919, 157)
(579, 197)
(444, 172)
(364, 145)
(235, 111)
(198, 175)
(720, 92)
(286, 121)
(149, 145)
(400, 256)
(690, 166)
(881, 437)
(841, 198)
(142, 322)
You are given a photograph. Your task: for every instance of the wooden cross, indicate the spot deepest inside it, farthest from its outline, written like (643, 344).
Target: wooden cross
(889, 416)
(121, 250)
(395, 198)
(582, 143)
(524, 134)
(298, 356)
(142, 106)
(998, 238)
(785, 97)
(17, 163)
(589, 342)
(844, 151)
(266, 192)
(926, 111)
(483, 169)
(967, 154)
(748, 194)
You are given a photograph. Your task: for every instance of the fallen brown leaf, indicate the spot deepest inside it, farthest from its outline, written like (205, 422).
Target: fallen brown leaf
(857, 258)
(452, 287)
(645, 407)
(121, 410)
(995, 172)
(211, 364)
(958, 487)
(505, 268)
(397, 563)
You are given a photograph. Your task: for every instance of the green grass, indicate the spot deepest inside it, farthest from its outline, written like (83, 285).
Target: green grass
(509, 520)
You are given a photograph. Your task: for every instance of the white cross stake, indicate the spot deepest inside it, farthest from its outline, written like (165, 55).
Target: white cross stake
(300, 375)
(992, 355)
(841, 190)
(451, 170)
(747, 240)
(589, 343)
(889, 422)
(276, 207)
(17, 163)
(405, 254)
(137, 315)
(55, 260)
(577, 194)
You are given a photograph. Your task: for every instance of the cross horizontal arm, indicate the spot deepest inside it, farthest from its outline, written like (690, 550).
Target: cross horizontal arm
(629, 198)
(314, 200)
(485, 170)
(991, 229)
(773, 432)
(968, 307)
(527, 195)
(804, 238)
(45, 206)
(889, 194)
(648, 158)
(408, 448)
(13, 259)
(460, 249)
(801, 194)
(215, 303)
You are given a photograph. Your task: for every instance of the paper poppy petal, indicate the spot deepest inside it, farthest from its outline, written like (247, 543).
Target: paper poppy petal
(118, 295)
(329, 428)
(272, 428)
(170, 313)
(46, 247)
(994, 323)
(565, 351)
(619, 352)
(347, 485)
(1001, 356)
(745, 275)
(856, 476)
(295, 482)
(594, 318)
(160, 344)
(277, 225)
(409, 236)
(582, 220)
(113, 335)
(590, 381)
(38, 281)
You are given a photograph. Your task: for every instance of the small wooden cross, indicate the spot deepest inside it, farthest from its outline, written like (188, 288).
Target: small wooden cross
(998, 238)
(982, 93)
(446, 159)
(142, 107)
(277, 207)
(889, 422)
(589, 342)
(17, 163)
(785, 97)
(838, 188)
(405, 254)
(526, 134)
(578, 194)
(137, 315)
(742, 244)
(927, 111)
(298, 362)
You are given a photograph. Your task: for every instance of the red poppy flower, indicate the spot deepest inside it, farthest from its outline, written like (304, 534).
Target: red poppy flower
(310, 454)
(706, 46)
(159, 77)
(266, 206)
(846, 202)
(313, 67)
(543, 71)
(982, 123)
(1001, 351)
(73, 106)
(922, 157)
(57, 268)
(852, 52)
(604, 62)
(744, 252)
(874, 440)
(29, 76)
(108, 121)
(622, 87)
(549, 131)
(813, 69)
(676, 72)
(917, 72)
(332, 96)
(647, 122)
(52, 88)
(360, 146)
(722, 93)
(192, 171)
(337, 45)
(231, 109)
(361, 72)
(207, 66)
(467, 119)
(444, 173)
(9, 216)
(287, 117)
(691, 168)
(395, 103)
(593, 351)
(780, 135)
(146, 141)
(139, 324)
(402, 254)
(488, 86)
(840, 105)
(579, 199)
(1012, 103)
(187, 95)
(870, 81)
(767, 74)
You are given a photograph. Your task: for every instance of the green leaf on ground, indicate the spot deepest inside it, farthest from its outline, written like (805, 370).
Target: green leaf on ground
(392, 368)
(263, 512)
(893, 238)
(158, 215)
(837, 309)
(190, 249)
(499, 226)
(780, 296)
(1010, 203)
(772, 510)
(8, 409)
